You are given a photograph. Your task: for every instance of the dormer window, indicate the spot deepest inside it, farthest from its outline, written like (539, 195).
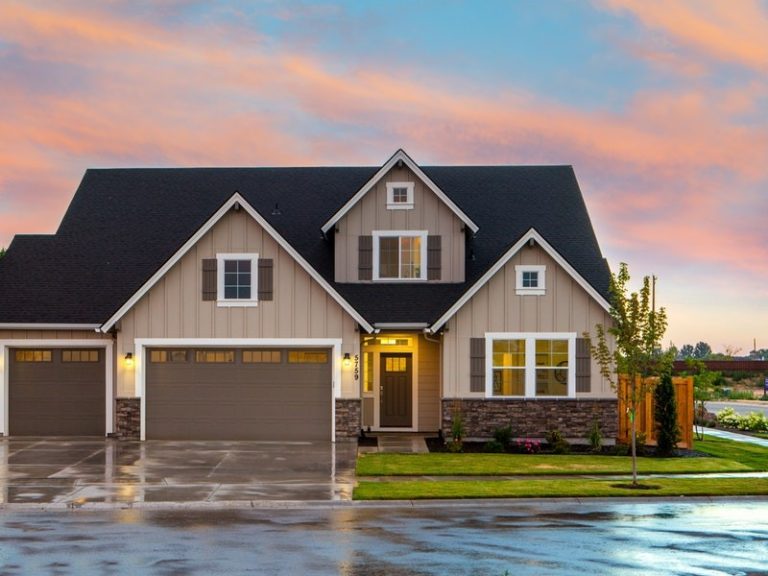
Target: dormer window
(399, 255)
(400, 195)
(531, 280)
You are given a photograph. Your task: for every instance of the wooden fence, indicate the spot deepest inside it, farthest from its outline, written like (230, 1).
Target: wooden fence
(645, 421)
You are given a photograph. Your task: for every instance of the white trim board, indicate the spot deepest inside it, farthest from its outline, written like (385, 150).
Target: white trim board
(399, 156)
(539, 239)
(109, 365)
(236, 198)
(140, 359)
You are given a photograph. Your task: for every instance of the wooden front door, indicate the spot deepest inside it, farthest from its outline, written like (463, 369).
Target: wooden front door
(396, 399)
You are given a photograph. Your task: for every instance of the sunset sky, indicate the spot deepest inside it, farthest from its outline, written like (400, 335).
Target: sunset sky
(661, 107)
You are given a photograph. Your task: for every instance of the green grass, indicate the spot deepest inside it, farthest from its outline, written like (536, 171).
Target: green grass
(444, 464)
(556, 488)
(751, 455)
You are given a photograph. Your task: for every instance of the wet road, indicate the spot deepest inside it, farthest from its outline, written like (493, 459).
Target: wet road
(498, 538)
(739, 407)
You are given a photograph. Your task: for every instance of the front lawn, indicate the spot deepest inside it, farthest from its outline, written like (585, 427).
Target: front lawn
(556, 488)
(445, 464)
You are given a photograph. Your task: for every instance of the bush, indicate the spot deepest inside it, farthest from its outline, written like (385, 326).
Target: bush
(752, 422)
(665, 416)
(557, 442)
(493, 446)
(503, 436)
(528, 446)
(454, 446)
(595, 438)
(640, 440)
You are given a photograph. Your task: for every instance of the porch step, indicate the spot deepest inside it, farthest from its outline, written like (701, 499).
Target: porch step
(402, 443)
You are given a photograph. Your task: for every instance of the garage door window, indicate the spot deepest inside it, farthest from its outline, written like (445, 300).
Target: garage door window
(308, 357)
(168, 356)
(79, 355)
(215, 356)
(33, 356)
(262, 357)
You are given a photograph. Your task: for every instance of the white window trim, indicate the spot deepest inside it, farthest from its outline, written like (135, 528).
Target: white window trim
(530, 361)
(377, 234)
(391, 204)
(235, 302)
(521, 290)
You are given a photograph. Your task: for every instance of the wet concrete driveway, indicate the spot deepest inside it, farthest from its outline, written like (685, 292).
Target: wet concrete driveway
(94, 471)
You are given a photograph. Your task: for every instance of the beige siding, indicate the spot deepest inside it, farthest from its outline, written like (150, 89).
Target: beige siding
(566, 307)
(429, 385)
(174, 308)
(429, 213)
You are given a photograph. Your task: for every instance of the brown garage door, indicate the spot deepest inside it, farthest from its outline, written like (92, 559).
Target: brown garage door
(56, 392)
(238, 394)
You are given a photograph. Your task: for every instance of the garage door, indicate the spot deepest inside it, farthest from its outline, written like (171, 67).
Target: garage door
(56, 392)
(238, 394)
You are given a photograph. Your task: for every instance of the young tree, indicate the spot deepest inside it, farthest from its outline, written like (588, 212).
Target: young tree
(636, 332)
(665, 415)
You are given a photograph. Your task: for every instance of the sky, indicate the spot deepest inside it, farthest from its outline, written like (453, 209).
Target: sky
(661, 107)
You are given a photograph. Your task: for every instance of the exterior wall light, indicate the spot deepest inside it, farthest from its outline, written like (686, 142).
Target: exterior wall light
(347, 360)
(129, 360)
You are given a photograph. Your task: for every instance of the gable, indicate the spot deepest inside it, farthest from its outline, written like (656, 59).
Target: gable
(372, 214)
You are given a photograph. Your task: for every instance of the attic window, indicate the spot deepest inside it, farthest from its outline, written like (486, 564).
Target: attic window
(531, 280)
(400, 195)
(237, 279)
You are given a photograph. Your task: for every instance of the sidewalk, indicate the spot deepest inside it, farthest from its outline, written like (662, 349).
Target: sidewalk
(736, 437)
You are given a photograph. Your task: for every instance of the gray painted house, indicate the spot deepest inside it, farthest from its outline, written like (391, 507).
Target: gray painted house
(307, 303)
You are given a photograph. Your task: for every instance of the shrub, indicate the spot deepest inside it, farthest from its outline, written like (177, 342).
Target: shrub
(528, 446)
(503, 436)
(665, 415)
(752, 422)
(457, 427)
(493, 446)
(595, 438)
(454, 446)
(557, 442)
(640, 440)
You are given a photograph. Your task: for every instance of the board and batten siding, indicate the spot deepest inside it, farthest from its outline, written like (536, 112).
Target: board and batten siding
(428, 213)
(429, 385)
(174, 307)
(566, 307)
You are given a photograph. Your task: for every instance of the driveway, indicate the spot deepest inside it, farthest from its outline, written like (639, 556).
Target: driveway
(95, 471)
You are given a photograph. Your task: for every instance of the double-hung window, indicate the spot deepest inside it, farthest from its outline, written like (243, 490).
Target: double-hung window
(237, 278)
(399, 255)
(530, 365)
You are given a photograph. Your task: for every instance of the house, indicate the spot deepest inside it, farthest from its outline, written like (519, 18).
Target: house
(307, 303)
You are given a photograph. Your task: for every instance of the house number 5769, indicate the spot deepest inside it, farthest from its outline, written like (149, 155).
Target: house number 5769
(357, 366)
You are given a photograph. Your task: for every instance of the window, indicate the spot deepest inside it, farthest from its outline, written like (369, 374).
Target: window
(308, 357)
(214, 356)
(531, 280)
(237, 276)
(530, 365)
(33, 356)
(399, 255)
(396, 364)
(368, 372)
(262, 357)
(168, 356)
(400, 195)
(79, 355)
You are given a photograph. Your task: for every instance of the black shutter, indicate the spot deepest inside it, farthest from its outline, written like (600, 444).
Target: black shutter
(210, 281)
(477, 364)
(365, 258)
(583, 366)
(433, 257)
(265, 280)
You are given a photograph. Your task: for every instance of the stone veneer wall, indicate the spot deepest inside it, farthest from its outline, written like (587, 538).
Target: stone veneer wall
(533, 418)
(128, 418)
(348, 417)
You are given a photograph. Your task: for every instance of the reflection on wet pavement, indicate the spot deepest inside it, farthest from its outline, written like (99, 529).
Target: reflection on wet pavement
(79, 471)
(519, 539)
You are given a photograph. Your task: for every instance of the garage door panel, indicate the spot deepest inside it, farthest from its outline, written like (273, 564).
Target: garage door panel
(233, 401)
(57, 398)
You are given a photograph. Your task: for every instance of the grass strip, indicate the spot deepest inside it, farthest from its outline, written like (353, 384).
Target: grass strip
(751, 455)
(556, 488)
(444, 464)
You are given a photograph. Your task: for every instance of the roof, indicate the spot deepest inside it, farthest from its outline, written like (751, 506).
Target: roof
(124, 224)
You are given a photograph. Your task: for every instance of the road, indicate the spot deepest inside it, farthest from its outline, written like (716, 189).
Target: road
(553, 538)
(739, 407)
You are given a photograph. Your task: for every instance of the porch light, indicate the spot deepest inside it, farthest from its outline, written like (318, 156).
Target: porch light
(347, 360)
(129, 360)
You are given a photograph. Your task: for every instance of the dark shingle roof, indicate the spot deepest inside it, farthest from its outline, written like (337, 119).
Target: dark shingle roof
(123, 224)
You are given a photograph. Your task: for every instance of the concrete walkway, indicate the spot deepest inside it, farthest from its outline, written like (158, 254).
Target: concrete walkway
(734, 436)
(77, 472)
(402, 443)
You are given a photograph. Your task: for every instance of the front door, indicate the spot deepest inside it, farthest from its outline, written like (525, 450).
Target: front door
(395, 393)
